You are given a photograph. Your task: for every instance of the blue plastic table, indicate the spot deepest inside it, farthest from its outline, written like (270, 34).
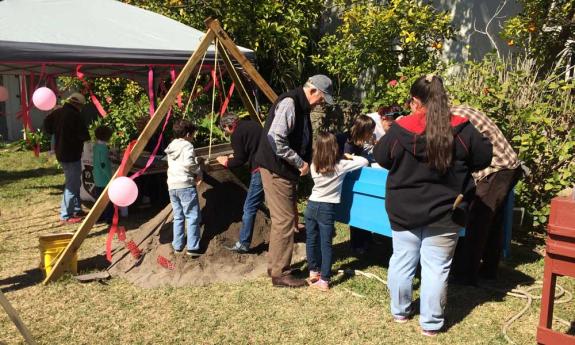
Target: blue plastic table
(363, 204)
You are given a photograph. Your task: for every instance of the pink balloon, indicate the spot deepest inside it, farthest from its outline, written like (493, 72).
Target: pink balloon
(44, 99)
(3, 94)
(123, 191)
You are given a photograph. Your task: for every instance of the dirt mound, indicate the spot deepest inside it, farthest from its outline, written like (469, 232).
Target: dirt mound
(221, 199)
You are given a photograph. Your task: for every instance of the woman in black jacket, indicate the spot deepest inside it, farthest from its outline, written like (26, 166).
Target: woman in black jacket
(430, 155)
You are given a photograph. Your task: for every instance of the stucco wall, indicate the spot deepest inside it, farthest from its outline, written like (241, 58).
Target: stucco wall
(470, 45)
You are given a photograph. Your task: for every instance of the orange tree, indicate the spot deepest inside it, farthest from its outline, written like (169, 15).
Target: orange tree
(545, 29)
(375, 40)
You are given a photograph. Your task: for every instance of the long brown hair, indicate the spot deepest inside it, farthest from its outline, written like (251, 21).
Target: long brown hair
(325, 153)
(362, 130)
(438, 133)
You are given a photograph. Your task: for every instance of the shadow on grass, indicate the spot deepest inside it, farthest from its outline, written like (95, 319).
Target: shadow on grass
(35, 276)
(22, 281)
(7, 177)
(461, 300)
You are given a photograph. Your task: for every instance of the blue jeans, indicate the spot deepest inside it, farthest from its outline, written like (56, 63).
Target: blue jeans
(186, 207)
(434, 247)
(319, 220)
(254, 199)
(71, 197)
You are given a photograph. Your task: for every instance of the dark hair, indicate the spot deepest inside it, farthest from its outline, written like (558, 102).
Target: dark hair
(362, 130)
(182, 128)
(438, 133)
(325, 153)
(103, 133)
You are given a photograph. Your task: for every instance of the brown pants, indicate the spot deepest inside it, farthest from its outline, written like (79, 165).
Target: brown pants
(481, 250)
(280, 198)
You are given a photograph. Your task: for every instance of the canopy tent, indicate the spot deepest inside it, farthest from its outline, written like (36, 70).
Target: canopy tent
(43, 39)
(105, 37)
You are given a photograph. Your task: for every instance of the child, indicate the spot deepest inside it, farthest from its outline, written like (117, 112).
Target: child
(102, 169)
(360, 143)
(328, 171)
(183, 175)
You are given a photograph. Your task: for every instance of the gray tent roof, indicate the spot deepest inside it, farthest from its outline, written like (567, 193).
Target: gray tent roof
(107, 37)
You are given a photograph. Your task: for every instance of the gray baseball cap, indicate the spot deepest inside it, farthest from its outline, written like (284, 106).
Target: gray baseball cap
(323, 84)
(228, 119)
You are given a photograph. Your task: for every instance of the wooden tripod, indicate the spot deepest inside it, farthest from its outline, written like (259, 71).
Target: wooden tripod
(225, 45)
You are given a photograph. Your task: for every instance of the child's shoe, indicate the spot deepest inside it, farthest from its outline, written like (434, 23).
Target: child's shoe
(429, 333)
(400, 319)
(320, 285)
(313, 277)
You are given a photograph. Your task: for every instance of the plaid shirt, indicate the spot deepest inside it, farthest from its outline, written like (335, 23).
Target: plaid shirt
(503, 155)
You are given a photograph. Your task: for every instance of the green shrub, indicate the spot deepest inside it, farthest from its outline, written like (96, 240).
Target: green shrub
(376, 39)
(536, 111)
(37, 137)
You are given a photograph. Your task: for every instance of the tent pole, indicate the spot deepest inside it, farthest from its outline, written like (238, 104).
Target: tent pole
(24, 87)
(82, 232)
(231, 47)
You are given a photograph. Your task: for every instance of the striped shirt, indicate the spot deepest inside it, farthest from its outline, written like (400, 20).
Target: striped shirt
(504, 157)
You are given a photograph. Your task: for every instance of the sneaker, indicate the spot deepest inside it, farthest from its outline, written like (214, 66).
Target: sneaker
(72, 220)
(320, 285)
(429, 333)
(193, 253)
(400, 319)
(239, 248)
(178, 251)
(313, 277)
(79, 214)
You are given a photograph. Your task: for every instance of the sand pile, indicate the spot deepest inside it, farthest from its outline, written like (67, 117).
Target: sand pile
(221, 199)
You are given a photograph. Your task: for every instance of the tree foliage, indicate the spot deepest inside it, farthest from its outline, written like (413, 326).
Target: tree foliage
(544, 29)
(375, 39)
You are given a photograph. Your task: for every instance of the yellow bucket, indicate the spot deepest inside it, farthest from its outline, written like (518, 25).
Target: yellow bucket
(51, 245)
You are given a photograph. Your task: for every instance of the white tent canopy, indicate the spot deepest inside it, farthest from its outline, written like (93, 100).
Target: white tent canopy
(106, 37)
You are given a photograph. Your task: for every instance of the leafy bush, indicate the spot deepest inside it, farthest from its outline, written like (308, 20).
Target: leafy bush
(376, 39)
(37, 137)
(544, 29)
(537, 111)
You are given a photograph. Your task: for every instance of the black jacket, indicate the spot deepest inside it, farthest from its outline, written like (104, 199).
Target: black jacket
(300, 138)
(417, 195)
(70, 132)
(245, 140)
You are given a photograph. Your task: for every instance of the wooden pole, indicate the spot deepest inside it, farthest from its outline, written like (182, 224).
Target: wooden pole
(142, 140)
(240, 86)
(13, 314)
(227, 42)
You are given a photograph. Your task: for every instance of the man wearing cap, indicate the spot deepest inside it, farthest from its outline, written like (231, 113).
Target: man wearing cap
(283, 155)
(244, 136)
(70, 132)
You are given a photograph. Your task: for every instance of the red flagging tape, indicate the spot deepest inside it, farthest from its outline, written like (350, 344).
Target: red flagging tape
(134, 250)
(162, 261)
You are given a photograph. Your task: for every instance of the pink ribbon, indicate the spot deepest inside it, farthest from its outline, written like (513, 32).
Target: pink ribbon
(151, 90)
(80, 75)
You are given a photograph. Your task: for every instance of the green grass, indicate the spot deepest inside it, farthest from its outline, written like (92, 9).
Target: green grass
(355, 311)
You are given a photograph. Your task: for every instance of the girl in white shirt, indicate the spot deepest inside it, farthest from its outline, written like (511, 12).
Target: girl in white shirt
(328, 171)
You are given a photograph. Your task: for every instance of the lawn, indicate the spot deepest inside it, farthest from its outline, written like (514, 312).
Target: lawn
(355, 311)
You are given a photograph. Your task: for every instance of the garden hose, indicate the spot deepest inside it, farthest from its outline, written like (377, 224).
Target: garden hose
(561, 296)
